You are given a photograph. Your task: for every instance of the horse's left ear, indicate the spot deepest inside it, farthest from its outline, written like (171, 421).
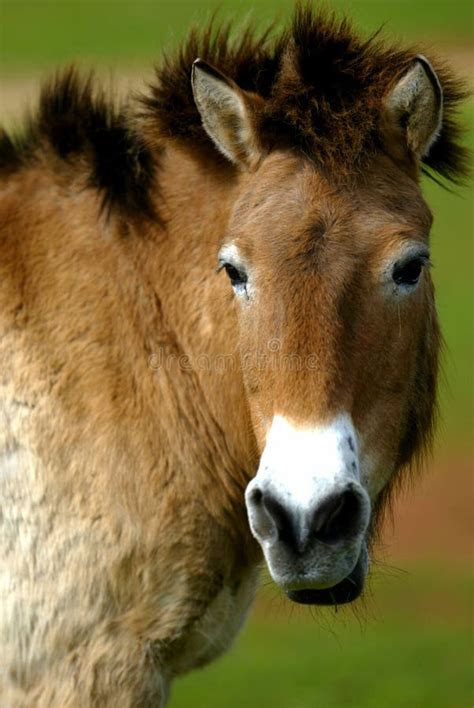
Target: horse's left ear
(414, 111)
(227, 114)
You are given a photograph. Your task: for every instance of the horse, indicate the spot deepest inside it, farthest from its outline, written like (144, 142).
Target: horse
(218, 343)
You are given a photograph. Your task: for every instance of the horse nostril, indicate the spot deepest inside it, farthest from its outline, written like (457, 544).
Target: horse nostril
(338, 517)
(256, 496)
(281, 518)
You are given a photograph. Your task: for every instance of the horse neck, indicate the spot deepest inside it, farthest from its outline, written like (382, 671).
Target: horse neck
(197, 308)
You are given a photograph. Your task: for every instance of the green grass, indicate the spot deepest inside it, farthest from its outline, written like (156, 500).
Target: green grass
(406, 654)
(453, 257)
(40, 33)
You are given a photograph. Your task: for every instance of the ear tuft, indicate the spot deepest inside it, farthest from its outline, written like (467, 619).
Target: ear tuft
(227, 114)
(414, 110)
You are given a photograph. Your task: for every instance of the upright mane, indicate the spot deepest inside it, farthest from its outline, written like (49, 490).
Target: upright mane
(323, 88)
(76, 122)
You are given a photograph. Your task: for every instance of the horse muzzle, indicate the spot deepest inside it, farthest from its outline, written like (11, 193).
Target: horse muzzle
(310, 513)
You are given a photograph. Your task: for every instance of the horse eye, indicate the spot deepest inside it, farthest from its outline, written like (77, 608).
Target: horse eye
(408, 273)
(236, 277)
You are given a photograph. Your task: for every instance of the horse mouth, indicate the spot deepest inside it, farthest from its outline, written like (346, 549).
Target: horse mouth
(342, 593)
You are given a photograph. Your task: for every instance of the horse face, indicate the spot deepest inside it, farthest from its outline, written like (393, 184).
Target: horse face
(338, 340)
(338, 337)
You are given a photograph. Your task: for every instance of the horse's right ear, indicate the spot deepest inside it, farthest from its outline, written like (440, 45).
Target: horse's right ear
(227, 114)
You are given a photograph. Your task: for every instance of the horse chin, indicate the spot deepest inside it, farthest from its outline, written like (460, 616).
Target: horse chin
(342, 593)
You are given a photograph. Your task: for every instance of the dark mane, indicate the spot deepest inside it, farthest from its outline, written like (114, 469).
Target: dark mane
(323, 87)
(75, 120)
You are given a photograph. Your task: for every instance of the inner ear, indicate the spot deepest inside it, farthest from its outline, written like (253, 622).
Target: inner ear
(413, 111)
(228, 114)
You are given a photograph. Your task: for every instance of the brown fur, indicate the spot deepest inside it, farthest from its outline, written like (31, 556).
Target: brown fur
(125, 454)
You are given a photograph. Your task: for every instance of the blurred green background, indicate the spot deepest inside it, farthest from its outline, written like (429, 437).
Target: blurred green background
(410, 642)
(43, 32)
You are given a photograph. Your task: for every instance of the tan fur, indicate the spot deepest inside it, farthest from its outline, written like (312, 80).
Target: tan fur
(125, 447)
(123, 516)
